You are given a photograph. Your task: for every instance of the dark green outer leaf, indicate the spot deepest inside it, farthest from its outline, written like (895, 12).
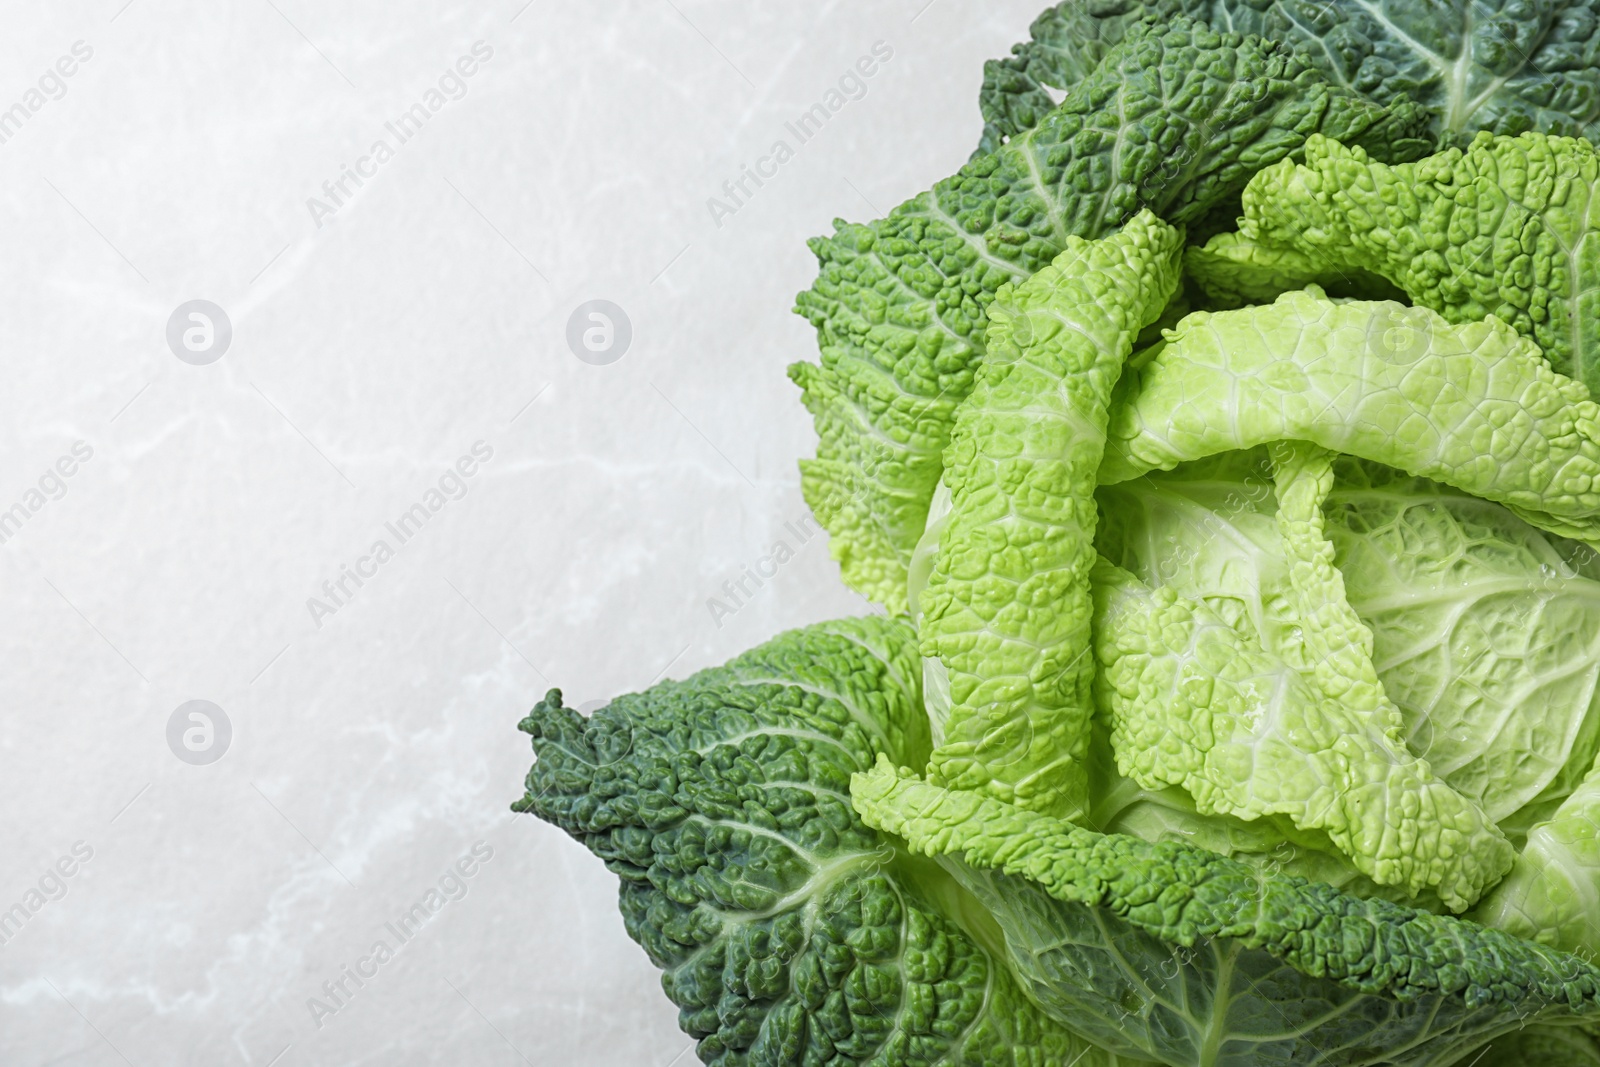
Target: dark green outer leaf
(789, 933)
(1506, 66)
(1066, 43)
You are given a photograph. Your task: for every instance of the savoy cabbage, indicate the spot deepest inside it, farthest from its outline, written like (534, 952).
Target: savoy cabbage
(1220, 444)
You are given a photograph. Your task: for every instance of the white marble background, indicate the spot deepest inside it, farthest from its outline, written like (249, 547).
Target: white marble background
(373, 747)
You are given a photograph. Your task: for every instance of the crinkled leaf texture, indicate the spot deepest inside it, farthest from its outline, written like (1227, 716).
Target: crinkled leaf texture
(1506, 66)
(1192, 702)
(1231, 272)
(1270, 843)
(1176, 118)
(1553, 893)
(1486, 630)
(1485, 634)
(1066, 42)
(1508, 226)
(789, 932)
(1174, 953)
(1006, 609)
(1472, 405)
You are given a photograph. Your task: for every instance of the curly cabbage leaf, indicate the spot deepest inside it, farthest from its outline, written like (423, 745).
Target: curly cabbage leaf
(1194, 703)
(1066, 42)
(789, 932)
(1505, 227)
(1472, 405)
(1506, 66)
(1006, 608)
(1486, 630)
(1486, 635)
(1177, 118)
(1177, 954)
(1232, 272)
(1272, 844)
(1553, 893)
(1432, 837)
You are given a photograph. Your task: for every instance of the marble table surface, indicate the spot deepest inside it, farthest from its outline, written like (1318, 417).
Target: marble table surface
(246, 346)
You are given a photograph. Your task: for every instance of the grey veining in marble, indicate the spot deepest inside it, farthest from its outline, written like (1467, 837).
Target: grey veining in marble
(208, 528)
